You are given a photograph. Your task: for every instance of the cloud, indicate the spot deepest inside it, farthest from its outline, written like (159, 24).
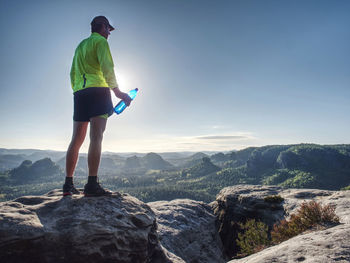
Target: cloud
(216, 127)
(163, 142)
(223, 137)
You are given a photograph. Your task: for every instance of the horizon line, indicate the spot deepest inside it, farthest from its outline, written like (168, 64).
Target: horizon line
(184, 151)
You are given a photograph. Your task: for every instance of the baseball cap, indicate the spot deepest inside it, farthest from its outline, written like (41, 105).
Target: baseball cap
(101, 20)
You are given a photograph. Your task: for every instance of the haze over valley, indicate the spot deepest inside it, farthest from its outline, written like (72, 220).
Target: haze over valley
(167, 176)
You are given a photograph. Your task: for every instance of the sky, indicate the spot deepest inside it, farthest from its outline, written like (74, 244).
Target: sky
(212, 75)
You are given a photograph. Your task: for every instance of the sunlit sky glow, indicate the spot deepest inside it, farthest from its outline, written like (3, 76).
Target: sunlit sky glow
(213, 75)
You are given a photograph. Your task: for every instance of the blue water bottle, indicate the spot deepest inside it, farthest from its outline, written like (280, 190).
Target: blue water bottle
(121, 105)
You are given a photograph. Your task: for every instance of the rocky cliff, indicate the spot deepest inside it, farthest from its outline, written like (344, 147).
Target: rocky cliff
(242, 202)
(49, 228)
(120, 228)
(189, 229)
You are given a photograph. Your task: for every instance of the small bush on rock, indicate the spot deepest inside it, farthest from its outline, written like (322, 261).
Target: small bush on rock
(309, 215)
(346, 188)
(254, 237)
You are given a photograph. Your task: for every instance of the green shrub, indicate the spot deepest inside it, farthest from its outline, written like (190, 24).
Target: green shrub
(300, 180)
(346, 188)
(309, 215)
(254, 237)
(278, 176)
(274, 199)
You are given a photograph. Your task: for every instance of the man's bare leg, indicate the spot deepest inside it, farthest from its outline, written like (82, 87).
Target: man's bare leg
(79, 133)
(97, 127)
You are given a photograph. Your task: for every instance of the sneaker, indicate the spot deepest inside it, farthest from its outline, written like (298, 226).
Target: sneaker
(69, 189)
(95, 189)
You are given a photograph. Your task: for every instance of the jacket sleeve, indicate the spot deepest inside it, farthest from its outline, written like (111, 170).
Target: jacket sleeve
(106, 63)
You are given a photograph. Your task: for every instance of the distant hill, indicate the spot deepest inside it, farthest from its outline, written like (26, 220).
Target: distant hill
(220, 158)
(10, 161)
(17, 151)
(53, 155)
(41, 170)
(34, 154)
(203, 168)
(114, 164)
(132, 162)
(191, 160)
(299, 166)
(11, 158)
(155, 161)
(108, 165)
(81, 168)
(233, 159)
(150, 176)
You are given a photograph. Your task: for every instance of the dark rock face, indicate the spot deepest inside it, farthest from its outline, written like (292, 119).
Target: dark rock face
(264, 158)
(51, 228)
(188, 229)
(329, 245)
(320, 157)
(241, 203)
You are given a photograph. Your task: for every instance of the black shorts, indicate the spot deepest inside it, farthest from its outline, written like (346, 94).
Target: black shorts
(92, 102)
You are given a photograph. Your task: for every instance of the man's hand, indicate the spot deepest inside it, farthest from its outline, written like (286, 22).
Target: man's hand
(122, 95)
(126, 98)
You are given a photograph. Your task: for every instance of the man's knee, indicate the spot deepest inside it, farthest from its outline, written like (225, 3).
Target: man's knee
(96, 136)
(78, 141)
(79, 132)
(78, 137)
(97, 128)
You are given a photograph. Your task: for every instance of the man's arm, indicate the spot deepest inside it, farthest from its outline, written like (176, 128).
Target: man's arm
(107, 66)
(122, 95)
(106, 63)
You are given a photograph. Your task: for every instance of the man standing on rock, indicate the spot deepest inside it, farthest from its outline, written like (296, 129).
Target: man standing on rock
(92, 78)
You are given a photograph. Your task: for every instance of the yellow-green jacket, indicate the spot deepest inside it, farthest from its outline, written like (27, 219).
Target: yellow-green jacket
(92, 64)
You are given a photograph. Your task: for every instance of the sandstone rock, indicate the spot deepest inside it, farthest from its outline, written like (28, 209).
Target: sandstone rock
(188, 229)
(239, 203)
(326, 246)
(339, 199)
(52, 228)
(120, 228)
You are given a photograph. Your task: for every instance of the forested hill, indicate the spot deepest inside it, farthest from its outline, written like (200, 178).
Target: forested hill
(300, 166)
(198, 176)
